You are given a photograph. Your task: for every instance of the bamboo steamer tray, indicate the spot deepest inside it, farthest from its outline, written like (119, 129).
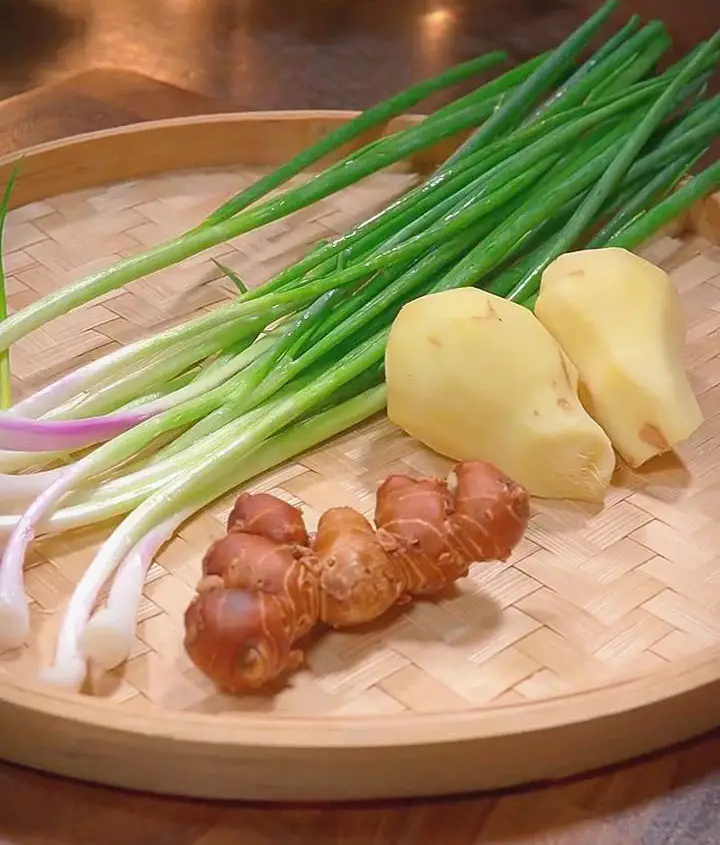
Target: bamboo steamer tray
(598, 641)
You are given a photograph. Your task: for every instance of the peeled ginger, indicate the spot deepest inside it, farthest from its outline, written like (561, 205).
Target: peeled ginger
(476, 377)
(620, 321)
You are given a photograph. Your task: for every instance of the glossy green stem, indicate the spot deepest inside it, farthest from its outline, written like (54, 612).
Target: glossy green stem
(374, 116)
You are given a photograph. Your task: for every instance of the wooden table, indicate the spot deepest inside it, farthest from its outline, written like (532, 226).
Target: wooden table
(670, 799)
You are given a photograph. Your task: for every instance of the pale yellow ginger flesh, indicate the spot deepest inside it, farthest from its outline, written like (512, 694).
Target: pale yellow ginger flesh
(476, 377)
(620, 321)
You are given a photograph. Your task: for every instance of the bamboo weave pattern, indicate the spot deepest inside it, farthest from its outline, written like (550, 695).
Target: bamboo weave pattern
(590, 596)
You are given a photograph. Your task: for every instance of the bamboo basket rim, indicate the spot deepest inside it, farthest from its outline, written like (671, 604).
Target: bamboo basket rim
(396, 730)
(698, 674)
(147, 127)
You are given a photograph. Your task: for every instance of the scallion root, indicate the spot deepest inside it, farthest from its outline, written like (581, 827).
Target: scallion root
(109, 635)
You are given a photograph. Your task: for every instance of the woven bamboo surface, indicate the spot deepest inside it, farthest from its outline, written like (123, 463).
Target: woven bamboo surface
(591, 596)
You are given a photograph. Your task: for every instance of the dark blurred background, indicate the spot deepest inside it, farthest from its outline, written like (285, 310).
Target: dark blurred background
(257, 54)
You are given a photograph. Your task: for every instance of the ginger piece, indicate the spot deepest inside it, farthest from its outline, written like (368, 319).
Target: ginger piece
(620, 321)
(476, 377)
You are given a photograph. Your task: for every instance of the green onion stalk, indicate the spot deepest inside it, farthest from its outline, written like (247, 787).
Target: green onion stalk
(5, 389)
(393, 149)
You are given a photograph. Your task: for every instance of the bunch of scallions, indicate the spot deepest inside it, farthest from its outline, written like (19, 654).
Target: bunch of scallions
(561, 153)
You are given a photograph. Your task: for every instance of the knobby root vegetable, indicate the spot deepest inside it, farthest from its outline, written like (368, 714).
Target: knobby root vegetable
(357, 580)
(266, 585)
(620, 320)
(434, 528)
(268, 516)
(476, 377)
(417, 532)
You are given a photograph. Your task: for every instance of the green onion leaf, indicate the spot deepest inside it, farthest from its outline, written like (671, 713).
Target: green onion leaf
(5, 391)
(232, 275)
